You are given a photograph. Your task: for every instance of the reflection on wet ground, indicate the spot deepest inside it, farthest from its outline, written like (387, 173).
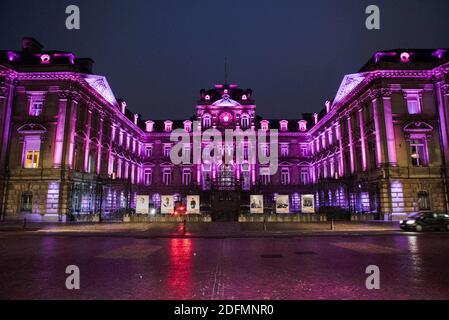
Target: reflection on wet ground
(331, 267)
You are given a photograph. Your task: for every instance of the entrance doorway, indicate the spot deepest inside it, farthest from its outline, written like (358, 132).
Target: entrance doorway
(225, 205)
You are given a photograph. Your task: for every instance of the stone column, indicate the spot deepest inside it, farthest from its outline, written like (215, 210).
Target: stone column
(351, 144)
(87, 140)
(72, 132)
(362, 139)
(60, 130)
(341, 170)
(389, 127)
(379, 126)
(100, 144)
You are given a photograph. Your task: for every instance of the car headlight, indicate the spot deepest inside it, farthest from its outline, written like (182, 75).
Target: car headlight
(411, 221)
(401, 221)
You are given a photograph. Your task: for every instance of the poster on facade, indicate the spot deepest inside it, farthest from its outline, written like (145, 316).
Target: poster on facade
(193, 204)
(307, 203)
(282, 204)
(256, 204)
(167, 205)
(142, 204)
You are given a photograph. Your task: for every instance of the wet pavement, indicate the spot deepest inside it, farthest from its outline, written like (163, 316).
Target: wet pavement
(411, 266)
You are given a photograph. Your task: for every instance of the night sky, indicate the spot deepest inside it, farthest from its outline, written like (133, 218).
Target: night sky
(157, 55)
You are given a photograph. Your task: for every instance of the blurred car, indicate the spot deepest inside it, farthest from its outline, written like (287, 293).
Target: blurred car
(425, 221)
(180, 209)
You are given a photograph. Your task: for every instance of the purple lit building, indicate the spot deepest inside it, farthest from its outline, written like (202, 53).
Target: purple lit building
(70, 148)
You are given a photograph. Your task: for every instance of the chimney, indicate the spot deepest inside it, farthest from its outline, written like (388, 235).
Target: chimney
(31, 44)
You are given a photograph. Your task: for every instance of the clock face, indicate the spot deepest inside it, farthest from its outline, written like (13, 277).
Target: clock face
(226, 118)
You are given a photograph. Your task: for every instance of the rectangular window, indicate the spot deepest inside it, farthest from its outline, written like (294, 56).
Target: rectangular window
(166, 177)
(148, 177)
(186, 177)
(149, 151)
(413, 98)
(27, 201)
(284, 150)
(285, 176)
(423, 200)
(167, 149)
(31, 152)
(36, 107)
(304, 176)
(32, 159)
(265, 177)
(418, 152)
(303, 151)
(265, 150)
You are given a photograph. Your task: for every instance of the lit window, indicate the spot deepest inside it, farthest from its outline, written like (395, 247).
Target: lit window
(418, 152)
(32, 159)
(188, 125)
(36, 103)
(264, 125)
(31, 152)
(166, 177)
(206, 121)
(168, 126)
(167, 150)
(284, 125)
(149, 126)
(148, 176)
(285, 176)
(413, 98)
(245, 121)
(284, 150)
(304, 176)
(302, 125)
(186, 177)
(265, 176)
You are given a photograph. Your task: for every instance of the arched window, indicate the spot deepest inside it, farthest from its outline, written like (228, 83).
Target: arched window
(206, 120)
(245, 121)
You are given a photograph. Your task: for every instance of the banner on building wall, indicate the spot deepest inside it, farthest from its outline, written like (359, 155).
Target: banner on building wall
(307, 203)
(167, 205)
(256, 204)
(142, 204)
(193, 204)
(282, 204)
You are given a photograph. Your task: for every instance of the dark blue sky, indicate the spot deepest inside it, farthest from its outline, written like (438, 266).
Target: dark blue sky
(159, 54)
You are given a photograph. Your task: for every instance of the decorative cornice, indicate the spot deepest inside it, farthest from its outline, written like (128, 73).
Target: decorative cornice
(380, 93)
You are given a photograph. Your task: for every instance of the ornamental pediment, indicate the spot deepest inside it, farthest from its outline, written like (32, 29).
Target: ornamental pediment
(418, 126)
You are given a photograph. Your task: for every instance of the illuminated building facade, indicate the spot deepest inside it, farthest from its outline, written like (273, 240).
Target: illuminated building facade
(70, 148)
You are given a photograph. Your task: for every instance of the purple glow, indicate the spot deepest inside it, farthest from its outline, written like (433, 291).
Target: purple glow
(405, 57)
(378, 55)
(439, 53)
(12, 56)
(45, 59)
